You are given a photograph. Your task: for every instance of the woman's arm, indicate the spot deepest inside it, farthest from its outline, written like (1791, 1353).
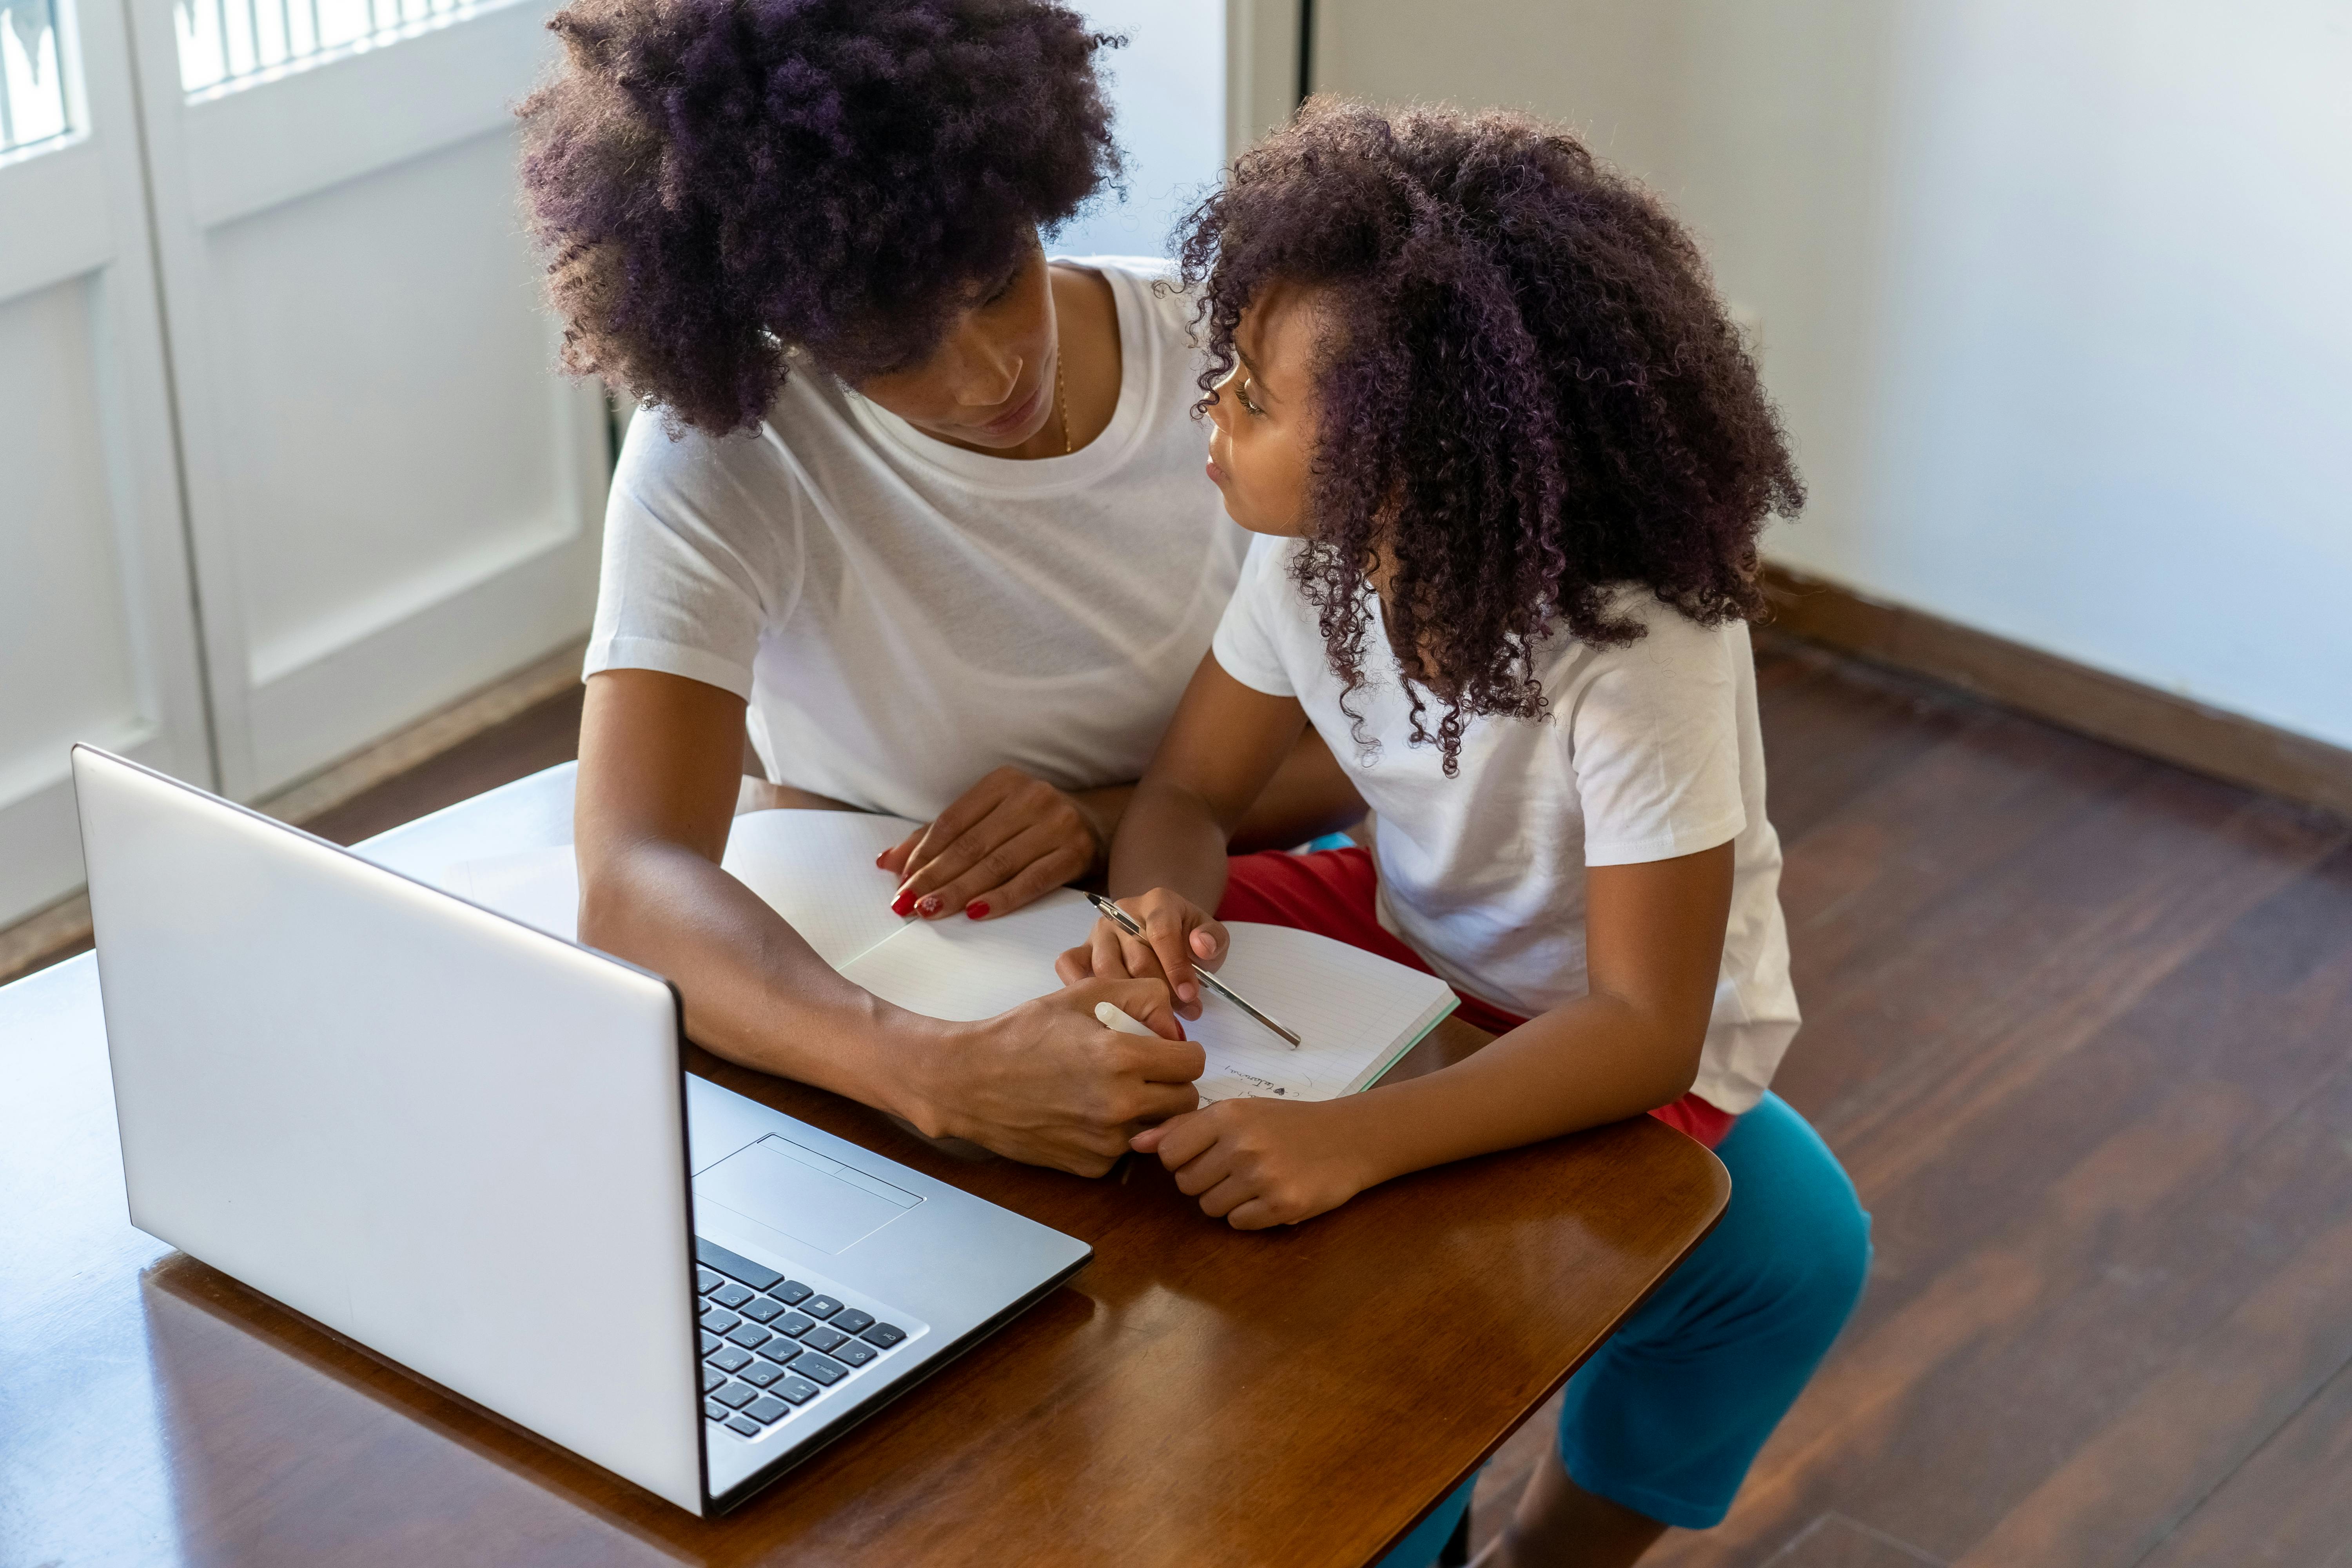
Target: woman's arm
(1654, 948)
(659, 770)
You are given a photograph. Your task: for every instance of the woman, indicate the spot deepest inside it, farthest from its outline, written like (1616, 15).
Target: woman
(917, 509)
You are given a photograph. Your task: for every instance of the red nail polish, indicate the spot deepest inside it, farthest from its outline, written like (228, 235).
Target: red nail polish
(975, 909)
(927, 906)
(880, 859)
(903, 905)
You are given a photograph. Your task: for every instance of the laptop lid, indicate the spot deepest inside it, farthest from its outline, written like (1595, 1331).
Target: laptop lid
(454, 1139)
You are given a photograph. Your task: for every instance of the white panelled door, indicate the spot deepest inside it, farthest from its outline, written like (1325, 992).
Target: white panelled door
(97, 636)
(392, 495)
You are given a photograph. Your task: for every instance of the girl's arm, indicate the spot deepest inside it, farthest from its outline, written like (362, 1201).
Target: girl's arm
(1653, 949)
(1225, 744)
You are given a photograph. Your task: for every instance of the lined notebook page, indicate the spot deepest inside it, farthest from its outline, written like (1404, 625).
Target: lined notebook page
(964, 970)
(1355, 1012)
(538, 887)
(817, 870)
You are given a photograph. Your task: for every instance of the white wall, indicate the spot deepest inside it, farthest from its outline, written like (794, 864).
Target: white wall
(1167, 88)
(2057, 298)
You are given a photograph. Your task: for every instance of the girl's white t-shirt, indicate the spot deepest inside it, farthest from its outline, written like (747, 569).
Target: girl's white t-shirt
(903, 616)
(1650, 751)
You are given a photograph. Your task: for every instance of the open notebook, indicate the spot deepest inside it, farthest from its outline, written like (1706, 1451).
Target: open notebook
(1354, 1013)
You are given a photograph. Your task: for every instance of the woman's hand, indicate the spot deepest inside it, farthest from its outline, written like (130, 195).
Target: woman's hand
(1007, 840)
(1261, 1163)
(1046, 1084)
(1178, 937)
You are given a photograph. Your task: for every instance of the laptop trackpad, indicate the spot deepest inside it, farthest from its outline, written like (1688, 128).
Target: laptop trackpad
(791, 1187)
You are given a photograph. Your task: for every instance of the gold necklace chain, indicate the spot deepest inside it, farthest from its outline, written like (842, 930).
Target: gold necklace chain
(1062, 402)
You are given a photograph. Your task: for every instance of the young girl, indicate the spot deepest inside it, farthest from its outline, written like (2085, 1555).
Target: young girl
(1510, 460)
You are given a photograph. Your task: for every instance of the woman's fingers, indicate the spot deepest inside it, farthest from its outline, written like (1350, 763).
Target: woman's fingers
(1059, 864)
(1009, 839)
(935, 865)
(1171, 1059)
(894, 860)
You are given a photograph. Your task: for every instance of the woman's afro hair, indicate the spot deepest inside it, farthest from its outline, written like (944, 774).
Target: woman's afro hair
(1529, 395)
(715, 185)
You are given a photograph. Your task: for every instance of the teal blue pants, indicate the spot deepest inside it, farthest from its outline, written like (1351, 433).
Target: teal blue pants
(1669, 1413)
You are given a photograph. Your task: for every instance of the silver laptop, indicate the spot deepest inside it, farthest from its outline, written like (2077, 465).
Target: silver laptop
(473, 1148)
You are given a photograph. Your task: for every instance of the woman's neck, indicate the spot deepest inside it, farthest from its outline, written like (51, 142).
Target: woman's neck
(1085, 315)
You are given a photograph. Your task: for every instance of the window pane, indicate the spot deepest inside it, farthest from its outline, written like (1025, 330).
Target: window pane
(32, 84)
(231, 42)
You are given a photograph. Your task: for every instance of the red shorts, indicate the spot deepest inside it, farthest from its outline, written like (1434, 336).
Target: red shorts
(1331, 892)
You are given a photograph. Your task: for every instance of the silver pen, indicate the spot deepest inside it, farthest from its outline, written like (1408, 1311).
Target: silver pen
(1126, 922)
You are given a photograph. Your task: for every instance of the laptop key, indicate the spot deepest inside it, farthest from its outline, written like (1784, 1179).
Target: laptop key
(820, 1306)
(736, 1396)
(761, 1310)
(759, 1373)
(731, 1295)
(714, 1411)
(726, 1358)
(823, 1368)
(793, 1324)
(766, 1408)
(710, 1341)
(718, 1320)
(747, 1426)
(706, 1281)
(791, 1292)
(734, 1264)
(850, 1320)
(886, 1335)
(779, 1350)
(799, 1390)
(751, 1336)
(824, 1337)
(711, 1378)
(857, 1352)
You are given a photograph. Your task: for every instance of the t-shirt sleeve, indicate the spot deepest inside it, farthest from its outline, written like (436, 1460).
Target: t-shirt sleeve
(1654, 741)
(697, 561)
(1249, 640)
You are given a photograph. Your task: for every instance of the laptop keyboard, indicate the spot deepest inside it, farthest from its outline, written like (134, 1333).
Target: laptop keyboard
(772, 1345)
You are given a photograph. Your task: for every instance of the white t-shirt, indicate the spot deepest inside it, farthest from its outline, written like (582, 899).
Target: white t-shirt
(1650, 751)
(904, 615)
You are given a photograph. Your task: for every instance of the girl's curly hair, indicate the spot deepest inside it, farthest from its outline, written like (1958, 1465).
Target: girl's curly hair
(1529, 394)
(716, 184)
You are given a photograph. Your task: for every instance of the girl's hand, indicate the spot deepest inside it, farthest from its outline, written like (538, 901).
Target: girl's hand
(1006, 841)
(1261, 1163)
(1178, 937)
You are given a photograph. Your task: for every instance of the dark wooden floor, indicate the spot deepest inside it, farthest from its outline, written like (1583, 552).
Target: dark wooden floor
(2081, 1027)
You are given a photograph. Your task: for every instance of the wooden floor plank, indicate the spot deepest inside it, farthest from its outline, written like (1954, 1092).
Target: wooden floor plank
(1834, 728)
(2050, 1238)
(1833, 1540)
(2288, 1506)
(2214, 1402)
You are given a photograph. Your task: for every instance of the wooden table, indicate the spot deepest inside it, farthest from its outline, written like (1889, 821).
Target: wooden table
(1195, 1396)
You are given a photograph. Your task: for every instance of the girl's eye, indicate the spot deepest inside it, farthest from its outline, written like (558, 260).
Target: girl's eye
(1241, 392)
(997, 295)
